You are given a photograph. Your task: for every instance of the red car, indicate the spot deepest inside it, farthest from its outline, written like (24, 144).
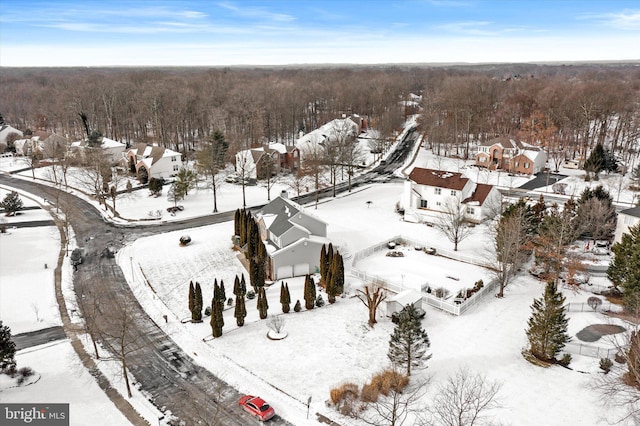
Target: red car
(257, 406)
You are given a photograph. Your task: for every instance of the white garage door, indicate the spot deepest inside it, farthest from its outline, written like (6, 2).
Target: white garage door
(300, 269)
(284, 272)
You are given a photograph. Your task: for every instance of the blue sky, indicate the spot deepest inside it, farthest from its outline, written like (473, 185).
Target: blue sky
(250, 32)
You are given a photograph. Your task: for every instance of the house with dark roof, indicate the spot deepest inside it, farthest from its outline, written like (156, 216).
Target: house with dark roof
(627, 218)
(293, 238)
(111, 149)
(514, 156)
(254, 163)
(429, 193)
(152, 161)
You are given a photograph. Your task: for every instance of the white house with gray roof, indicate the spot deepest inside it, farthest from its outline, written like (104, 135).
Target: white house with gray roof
(153, 161)
(293, 238)
(626, 219)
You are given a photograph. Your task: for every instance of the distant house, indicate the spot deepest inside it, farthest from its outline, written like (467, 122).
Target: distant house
(293, 238)
(626, 219)
(253, 163)
(430, 193)
(6, 130)
(111, 149)
(151, 161)
(511, 155)
(344, 129)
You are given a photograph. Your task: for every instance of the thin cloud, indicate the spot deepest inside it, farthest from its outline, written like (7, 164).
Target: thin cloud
(482, 28)
(448, 3)
(257, 12)
(625, 20)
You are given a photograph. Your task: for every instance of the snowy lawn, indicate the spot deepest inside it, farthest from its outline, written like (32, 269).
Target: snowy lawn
(333, 344)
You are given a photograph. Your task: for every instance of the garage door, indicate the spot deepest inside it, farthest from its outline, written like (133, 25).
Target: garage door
(300, 269)
(284, 272)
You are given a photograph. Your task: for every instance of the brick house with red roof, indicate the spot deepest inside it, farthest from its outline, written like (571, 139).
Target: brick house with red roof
(428, 193)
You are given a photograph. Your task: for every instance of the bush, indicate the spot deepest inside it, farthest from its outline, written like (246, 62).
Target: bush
(207, 311)
(386, 380)
(369, 393)
(478, 285)
(251, 294)
(594, 302)
(25, 373)
(297, 307)
(441, 292)
(565, 360)
(605, 365)
(319, 301)
(184, 240)
(346, 390)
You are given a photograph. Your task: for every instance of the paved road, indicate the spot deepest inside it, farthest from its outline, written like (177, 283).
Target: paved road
(159, 366)
(38, 337)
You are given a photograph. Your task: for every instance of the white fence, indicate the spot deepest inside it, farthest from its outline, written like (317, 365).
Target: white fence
(590, 351)
(450, 305)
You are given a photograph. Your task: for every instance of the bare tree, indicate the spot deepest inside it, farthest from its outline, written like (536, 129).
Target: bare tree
(119, 335)
(211, 158)
(246, 169)
(401, 405)
(313, 166)
(452, 221)
(95, 174)
(620, 387)
(509, 244)
(270, 170)
(464, 399)
(372, 296)
(597, 218)
(87, 304)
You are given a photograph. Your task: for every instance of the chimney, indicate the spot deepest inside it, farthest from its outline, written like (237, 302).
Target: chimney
(284, 194)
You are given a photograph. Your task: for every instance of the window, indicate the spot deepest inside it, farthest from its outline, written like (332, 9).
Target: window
(482, 159)
(175, 168)
(438, 203)
(174, 159)
(295, 154)
(423, 204)
(470, 210)
(526, 165)
(517, 163)
(453, 193)
(438, 191)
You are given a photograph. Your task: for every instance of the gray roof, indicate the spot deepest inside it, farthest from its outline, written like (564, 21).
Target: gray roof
(633, 211)
(283, 209)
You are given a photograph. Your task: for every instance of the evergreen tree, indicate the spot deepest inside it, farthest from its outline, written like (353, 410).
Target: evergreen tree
(285, 298)
(185, 180)
(222, 295)
(11, 203)
(192, 299)
(196, 315)
(323, 265)
(236, 286)
(240, 311)
(547, 332)
(243, 286)
(263, 306)
(217, 321)
(309, 292)
(155, 186)
(236, 222)
(610, 163)
(338, 275)
(7, 348)
(624, 270)
(596, 161)
(409, 342)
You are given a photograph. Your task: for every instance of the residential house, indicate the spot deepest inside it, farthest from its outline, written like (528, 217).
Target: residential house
(6, 130)
(340, 130)
(430, 193)
(627, 218)
(253, 163)
(293, 238)
(152, 161)
(511, 155)
(113, 150)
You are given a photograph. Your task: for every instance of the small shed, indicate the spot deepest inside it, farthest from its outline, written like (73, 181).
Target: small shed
(402, 299)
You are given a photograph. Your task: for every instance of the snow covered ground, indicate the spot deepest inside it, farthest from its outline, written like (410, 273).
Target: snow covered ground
(333, 344)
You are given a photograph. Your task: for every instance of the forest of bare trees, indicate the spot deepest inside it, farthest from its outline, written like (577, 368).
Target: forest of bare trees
(567, 109)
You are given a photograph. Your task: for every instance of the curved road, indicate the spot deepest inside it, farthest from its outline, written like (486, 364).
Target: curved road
(160, 367)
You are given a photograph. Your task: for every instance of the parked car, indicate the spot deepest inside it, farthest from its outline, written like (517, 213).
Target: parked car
(232, 178)
(257, 406)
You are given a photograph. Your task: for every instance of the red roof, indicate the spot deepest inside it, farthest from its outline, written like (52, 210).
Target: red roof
(480, 194)
(438, 178)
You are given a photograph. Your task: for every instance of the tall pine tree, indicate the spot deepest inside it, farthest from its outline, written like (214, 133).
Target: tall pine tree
(192, 299)
(196, 315)
(217, 321)
(323, 265)
(263, 306)
(309, 292)
(240, 311)
(547, 332)
(285, 298)
(409, 342)
(624, 271)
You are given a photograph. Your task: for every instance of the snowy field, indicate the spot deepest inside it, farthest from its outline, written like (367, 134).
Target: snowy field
(333, 344)
(325, 346)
